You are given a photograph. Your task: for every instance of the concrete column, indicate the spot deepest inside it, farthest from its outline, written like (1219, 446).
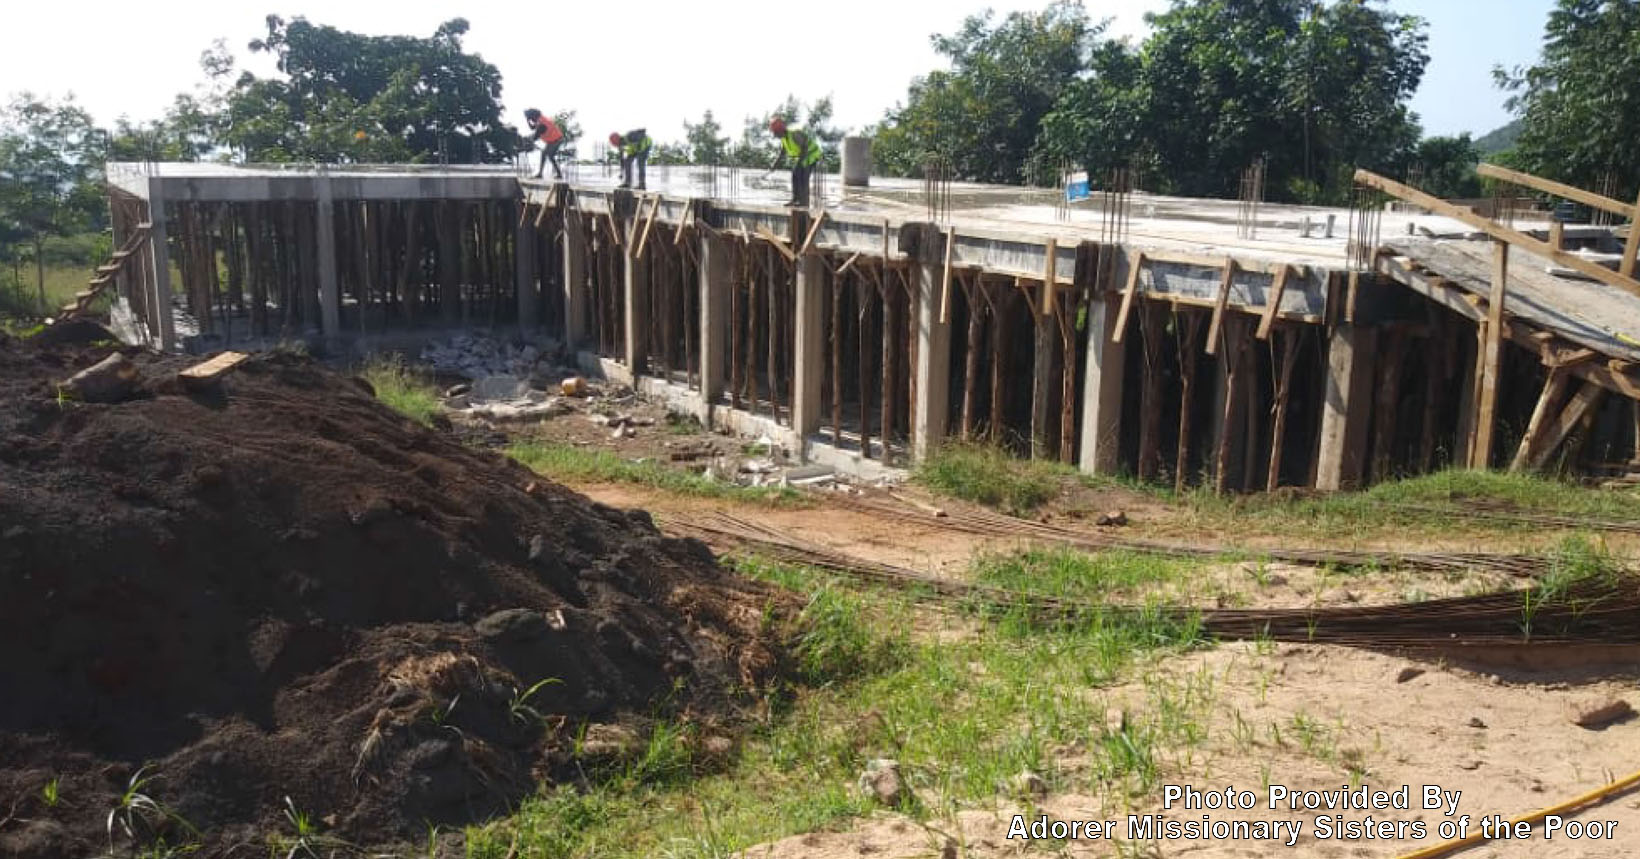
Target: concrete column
(575, 280)
(1102, 377)
(808, 346)
(714, 321)
(636, 300)
(324, 232)
(1347, 406)
(931, 410)
(159, 263)
(524, 240)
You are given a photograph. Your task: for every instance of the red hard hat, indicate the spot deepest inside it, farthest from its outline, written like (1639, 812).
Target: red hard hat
(777, 126)
(614, 139)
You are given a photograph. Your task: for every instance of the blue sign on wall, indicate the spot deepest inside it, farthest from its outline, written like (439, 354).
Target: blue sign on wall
(1076, 187)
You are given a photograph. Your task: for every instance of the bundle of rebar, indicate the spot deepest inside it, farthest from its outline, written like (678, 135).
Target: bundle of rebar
(1599, 609)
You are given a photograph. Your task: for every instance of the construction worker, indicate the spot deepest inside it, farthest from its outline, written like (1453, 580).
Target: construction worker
(803, 150)
(633, 147)
(542, 128)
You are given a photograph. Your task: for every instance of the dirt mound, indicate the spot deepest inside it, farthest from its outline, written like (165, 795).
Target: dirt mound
(281, 588)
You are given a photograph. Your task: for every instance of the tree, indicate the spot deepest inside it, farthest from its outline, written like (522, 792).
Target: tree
(353, 97)
(1580, 104)
(191, 128)
(49, 174)
(1096, 124)
(706, 142)
(985, 114)
(1446, 166)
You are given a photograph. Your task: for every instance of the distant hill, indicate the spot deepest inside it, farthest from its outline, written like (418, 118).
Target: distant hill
(1499, 139)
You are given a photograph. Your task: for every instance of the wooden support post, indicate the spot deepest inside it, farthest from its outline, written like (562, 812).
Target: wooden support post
(1050, 279)
(575, 280)
(1290, 339)
(836, 348)
(945, 279)
(1557, 234)
(1153, 324)
(1187, 375)
(1346, 407)
(159, 268)
(970, 375)
(862, 361)
(1220, 306)
(1492, 358)
(1044, 365)
(1389, 397)
(1580, 406)
(524, 278)
(1437, 385)
(1000, 343)
(1235, 372)
(330, 294)
(635, 304)
(1554, 389)
(1272, 307)
(891, 336)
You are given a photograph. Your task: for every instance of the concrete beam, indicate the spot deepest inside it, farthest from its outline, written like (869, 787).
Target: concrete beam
(715, 273)
(524, 242)
(636, 302)
(1104, 370)
(159, 267)
(808, 346)
(1346, 407)
(575, 280)
(324, 232)
(931, 411)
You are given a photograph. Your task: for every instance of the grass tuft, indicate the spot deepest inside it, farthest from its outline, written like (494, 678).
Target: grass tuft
(402, 389)
(990, 476)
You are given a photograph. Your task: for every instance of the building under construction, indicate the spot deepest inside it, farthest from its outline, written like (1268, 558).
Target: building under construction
(1234, 344)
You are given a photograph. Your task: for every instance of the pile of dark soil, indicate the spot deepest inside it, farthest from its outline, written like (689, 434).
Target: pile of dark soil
(280, 588)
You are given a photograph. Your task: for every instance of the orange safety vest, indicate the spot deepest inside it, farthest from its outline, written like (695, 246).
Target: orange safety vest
(547, 131)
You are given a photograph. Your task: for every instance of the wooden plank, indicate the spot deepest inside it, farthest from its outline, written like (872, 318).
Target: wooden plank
(1187, 375)
(945, 279)
(1278, 287)
(1550, 186)
(1492, 358)
(779, 243)
(1572, 358)
(1498, 231)
(1632, 246)
(1582, 401)
(1554, 388)
(843, 269)
(648, 224)
(1127, 297)
(209, 371)
(1278, 427)
(1223, 301)
(814, 229)
(1050, 276)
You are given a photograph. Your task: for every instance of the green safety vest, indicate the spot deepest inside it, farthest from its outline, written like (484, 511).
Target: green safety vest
(630, 149)
(807, 158)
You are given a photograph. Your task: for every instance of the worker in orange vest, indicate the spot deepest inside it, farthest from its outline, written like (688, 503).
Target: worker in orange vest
(542, 128)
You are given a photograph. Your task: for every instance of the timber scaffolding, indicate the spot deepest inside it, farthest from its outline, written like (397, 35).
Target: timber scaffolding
(1174, 339)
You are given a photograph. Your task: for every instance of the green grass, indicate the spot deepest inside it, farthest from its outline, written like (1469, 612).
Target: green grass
(962, 718)
(990, 476)
(1079, 575)
(1444, 495)
(570, 463)
(402, 389)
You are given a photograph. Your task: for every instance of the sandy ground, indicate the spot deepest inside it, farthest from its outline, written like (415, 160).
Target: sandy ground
(1492, 726)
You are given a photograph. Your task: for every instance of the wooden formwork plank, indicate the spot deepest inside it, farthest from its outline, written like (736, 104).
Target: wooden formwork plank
(779, 243)
(210, 370)
(1272, 307)
(1219, 306)
(1127, 297)
(1554, 388)
(1585, 399)
(1050, 276)
(945, 279)
(1491, 360)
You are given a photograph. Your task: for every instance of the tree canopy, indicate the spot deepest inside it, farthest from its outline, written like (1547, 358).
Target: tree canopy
(1580, 104)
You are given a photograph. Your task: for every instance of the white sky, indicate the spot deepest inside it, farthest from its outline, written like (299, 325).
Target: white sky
(631, 63)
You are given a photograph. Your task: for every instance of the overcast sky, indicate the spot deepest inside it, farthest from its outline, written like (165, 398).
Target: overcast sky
(636, 62)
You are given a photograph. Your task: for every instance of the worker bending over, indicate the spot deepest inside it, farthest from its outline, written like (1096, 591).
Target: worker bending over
(804, 152)
(542, 128)
(633, 147)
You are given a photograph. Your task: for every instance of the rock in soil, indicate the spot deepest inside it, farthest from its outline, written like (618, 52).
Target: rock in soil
(882, 781)
(286, 589)
(1598, 712)
(1114, 518)
(1027, 783)
(1411, 672)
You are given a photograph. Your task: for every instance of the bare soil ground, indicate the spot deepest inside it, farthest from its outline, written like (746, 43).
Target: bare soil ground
(279, 588)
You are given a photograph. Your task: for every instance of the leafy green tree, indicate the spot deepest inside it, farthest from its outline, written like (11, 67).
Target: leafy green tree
(1446, 166)
(1097, 122)
(50, 182)
(985, 114)
(353, 97)
(705, 140)
(1580, 103)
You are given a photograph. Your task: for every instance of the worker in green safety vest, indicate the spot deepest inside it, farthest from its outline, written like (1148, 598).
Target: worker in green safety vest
(633, 147)
(804, 152)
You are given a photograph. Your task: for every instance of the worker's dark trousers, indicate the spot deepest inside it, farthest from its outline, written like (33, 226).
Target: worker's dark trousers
(800, 185)
(549, 155)
(626, 169)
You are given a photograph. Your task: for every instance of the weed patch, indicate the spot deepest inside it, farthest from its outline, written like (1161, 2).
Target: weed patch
(402, 389)
(569, 463)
